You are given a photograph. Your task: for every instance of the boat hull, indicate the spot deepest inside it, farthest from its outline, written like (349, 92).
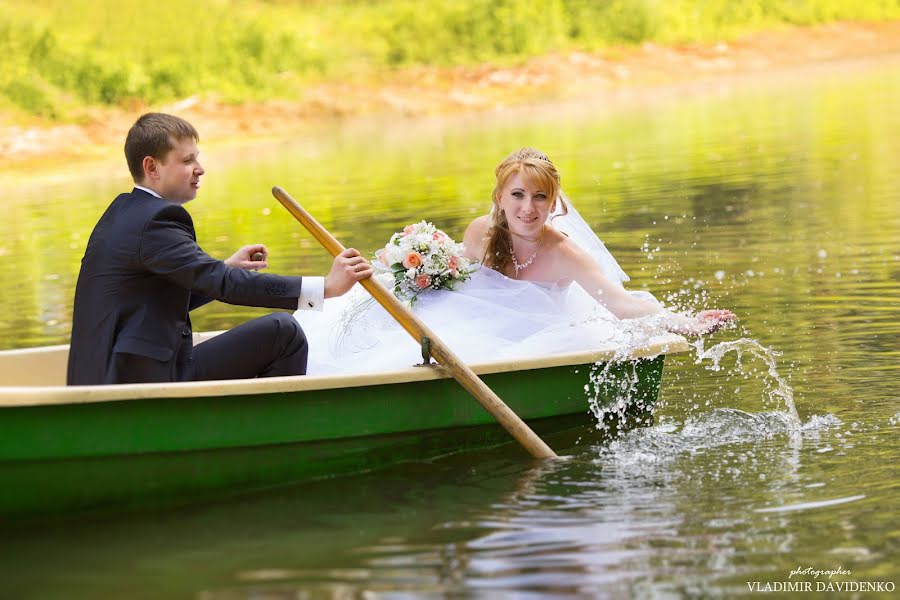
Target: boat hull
(97, 455)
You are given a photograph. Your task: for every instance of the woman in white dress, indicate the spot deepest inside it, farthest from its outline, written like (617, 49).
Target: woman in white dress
(547, 285)
(520, 227)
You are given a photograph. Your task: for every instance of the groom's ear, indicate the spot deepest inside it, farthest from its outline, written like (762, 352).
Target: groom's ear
(150, 168)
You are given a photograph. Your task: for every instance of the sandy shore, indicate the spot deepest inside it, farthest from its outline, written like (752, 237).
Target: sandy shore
(36, 148)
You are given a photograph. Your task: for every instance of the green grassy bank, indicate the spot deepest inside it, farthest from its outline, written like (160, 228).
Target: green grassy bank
(59, 57)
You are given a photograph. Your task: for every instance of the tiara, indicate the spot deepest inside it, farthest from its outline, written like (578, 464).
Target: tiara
(529, 152)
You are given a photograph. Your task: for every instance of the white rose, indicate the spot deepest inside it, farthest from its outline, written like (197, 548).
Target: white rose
(395, 254)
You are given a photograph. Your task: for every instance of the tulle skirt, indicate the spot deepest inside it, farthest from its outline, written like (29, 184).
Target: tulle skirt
(489, 317)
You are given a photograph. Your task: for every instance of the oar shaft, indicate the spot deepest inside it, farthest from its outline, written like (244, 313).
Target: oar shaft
(417, 329)
(334, 247)
(490, 401)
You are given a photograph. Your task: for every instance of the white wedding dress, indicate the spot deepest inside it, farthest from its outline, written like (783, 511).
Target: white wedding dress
(490, 317)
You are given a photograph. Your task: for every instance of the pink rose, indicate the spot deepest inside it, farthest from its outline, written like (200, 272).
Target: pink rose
(384, 259)
(423, 281)
(412, 260)
(453, 263)
(438, 236)
(408, 230)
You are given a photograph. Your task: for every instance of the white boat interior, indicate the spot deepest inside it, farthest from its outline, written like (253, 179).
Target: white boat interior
(38, 375)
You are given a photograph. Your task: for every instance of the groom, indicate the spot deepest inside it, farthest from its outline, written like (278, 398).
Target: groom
(142, 273)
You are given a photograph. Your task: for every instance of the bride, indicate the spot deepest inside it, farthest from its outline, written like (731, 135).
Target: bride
(547, 285)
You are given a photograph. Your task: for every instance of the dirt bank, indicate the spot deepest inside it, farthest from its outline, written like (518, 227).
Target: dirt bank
(34, 148)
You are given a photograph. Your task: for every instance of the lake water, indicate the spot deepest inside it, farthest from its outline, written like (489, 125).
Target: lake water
(778, 197)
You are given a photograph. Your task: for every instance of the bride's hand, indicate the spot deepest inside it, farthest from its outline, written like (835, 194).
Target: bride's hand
(348, 268)
(709, 321)
(703, 323)
(244, 258)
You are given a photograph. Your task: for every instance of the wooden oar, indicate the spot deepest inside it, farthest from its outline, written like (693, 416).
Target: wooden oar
(418, 330)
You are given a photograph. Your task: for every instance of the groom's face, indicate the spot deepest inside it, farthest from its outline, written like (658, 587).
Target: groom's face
(177, 176)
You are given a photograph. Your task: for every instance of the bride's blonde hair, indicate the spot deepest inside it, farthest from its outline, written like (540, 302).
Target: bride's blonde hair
(537, 169)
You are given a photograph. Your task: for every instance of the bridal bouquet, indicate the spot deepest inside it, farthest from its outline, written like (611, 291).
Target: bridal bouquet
(419, 258)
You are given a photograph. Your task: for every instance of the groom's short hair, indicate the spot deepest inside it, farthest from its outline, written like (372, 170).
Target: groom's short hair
(153, 135)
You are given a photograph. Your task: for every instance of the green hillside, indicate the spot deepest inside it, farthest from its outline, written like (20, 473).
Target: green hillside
(62, 56)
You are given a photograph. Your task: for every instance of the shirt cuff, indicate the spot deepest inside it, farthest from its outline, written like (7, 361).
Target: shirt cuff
(312, 294)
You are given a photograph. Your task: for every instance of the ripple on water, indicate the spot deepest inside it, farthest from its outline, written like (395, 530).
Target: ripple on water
(810, 505)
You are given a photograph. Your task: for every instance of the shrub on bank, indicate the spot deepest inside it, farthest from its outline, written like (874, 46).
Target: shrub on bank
(59, 56)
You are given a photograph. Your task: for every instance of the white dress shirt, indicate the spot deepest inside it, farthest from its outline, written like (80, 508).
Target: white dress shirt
(312, 292)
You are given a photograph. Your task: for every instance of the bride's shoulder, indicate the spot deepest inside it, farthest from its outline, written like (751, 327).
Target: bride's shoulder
(479, 225)
(559, 242)
(477, 230)
(564, 250)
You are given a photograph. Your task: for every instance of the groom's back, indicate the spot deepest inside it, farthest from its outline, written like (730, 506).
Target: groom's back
(116, 297)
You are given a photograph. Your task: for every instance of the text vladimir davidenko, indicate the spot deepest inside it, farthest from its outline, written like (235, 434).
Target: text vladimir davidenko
(820, 586)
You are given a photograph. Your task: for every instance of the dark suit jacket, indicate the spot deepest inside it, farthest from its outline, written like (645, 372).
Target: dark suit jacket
(141, 274)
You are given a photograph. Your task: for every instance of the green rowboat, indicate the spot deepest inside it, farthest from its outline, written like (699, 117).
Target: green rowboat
(124, 446)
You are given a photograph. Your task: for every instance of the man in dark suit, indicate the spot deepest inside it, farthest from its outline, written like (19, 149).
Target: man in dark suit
(142, 273)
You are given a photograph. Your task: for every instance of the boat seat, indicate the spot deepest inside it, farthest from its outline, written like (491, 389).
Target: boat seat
(47, 365)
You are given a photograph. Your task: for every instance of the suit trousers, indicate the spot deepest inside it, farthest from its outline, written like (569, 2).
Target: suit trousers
(270, 346)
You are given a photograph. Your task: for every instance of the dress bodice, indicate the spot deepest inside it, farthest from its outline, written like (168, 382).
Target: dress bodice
(491, 273)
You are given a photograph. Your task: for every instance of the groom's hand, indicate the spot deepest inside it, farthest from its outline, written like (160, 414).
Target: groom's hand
(244, 258)
(348, 268)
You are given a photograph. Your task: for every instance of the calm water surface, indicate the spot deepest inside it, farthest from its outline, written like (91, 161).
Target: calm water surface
(778, 198)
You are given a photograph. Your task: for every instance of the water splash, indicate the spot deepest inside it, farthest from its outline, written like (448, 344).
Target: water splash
(617, 397)
(777, 389)
(668, 441)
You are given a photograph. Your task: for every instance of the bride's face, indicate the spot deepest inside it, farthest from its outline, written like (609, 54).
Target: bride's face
(527, 205)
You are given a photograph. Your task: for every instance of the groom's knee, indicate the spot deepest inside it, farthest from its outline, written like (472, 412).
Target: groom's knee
(290, 343)
(289, 334)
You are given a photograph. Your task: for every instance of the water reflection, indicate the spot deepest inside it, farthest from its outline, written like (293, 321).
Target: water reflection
(679, 508)
(780, 200)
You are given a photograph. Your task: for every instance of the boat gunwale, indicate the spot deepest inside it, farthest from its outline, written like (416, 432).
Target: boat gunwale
(20, 396)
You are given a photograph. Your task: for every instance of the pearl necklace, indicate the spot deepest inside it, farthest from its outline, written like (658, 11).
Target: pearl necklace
(522, 266)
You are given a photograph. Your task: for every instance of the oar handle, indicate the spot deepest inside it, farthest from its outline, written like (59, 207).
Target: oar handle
(417, 329)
